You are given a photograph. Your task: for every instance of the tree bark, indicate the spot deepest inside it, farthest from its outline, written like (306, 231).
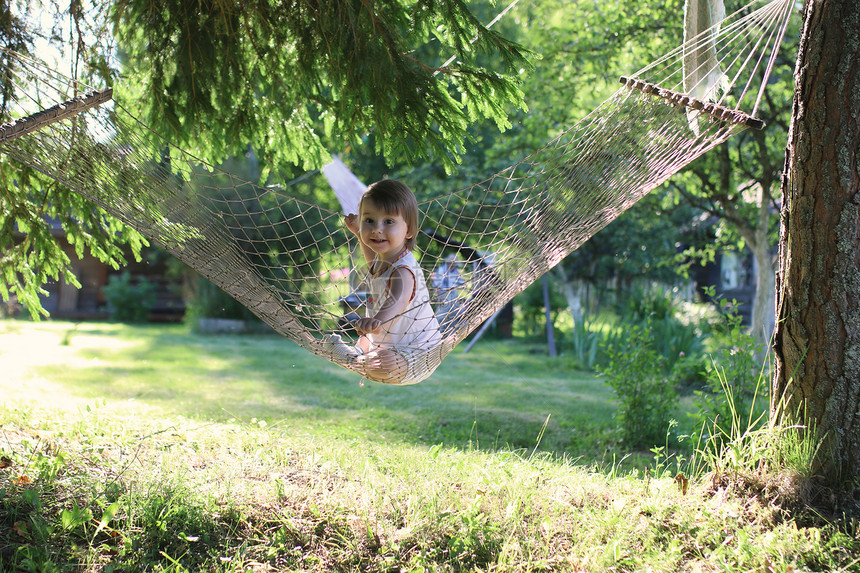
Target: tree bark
(817, 339)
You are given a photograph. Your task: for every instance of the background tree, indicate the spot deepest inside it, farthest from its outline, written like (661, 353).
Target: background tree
(737, 184)
(32, 205)
(817, 340)
(584, 47)
(292, 77)
(215, 76)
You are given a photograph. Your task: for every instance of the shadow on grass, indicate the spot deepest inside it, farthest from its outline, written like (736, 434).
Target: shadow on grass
(499, 396)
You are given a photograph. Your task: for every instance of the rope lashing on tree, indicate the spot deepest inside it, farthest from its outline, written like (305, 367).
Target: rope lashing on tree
(288, 260)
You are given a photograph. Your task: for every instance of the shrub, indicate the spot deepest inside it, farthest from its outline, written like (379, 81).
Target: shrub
(127, 301)
(584, 343)
(735, 396)
(691, 371)
(209, 301)
(645, 398)
(671, 336)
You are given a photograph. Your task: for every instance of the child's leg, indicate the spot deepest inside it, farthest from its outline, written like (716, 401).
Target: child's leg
(384, 365)
(335, 346)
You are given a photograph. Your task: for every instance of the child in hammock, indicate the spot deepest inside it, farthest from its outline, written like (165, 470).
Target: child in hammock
(399, 325)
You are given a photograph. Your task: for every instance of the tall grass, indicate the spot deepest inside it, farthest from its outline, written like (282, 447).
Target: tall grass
(178, 495)
(675, 332)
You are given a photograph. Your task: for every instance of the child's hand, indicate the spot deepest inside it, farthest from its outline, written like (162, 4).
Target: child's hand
(351, 222)
(368, 325)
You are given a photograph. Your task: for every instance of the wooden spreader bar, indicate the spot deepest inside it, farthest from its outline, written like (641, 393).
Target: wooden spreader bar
(718, 112)
(25, 125)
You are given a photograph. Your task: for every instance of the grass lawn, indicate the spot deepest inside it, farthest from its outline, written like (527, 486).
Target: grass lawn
(496, 397)
(151, 449)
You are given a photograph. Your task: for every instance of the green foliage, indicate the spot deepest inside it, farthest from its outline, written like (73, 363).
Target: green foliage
(584, 47)
(209, 301)
(675, 338)
(584, 343)
(129, 301)
(674, 335)
(735, 397)
(14, 35)
(32, 251)
(32, 208)
(289, 79)
(530, 313)
(645, 397)
(649, 303)
(690, 371)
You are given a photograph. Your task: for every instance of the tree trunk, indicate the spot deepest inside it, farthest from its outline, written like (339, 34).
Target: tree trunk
(763, 303)
(764, 306)
(817, 339)
(550, 331)
(572, 294)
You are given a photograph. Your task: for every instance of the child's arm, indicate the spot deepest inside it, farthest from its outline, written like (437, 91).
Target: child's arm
(352, 223)
(401, 289)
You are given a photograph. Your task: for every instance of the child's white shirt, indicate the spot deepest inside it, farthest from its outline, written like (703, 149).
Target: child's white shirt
(416, 328)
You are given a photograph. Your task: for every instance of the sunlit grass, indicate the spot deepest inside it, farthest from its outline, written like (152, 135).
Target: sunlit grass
(148, 448)
(498, 396)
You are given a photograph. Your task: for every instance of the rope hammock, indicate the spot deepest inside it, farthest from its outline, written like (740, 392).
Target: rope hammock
(283, 258)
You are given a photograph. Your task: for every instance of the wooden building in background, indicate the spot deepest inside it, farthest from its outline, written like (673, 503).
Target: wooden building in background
(65, 301)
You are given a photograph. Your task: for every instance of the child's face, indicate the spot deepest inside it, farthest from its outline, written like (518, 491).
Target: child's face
(385, 233)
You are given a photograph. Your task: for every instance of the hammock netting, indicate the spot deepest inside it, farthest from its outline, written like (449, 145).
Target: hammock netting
(284, 258)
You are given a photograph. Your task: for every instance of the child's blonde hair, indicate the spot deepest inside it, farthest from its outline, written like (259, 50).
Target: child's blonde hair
(395, 198)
